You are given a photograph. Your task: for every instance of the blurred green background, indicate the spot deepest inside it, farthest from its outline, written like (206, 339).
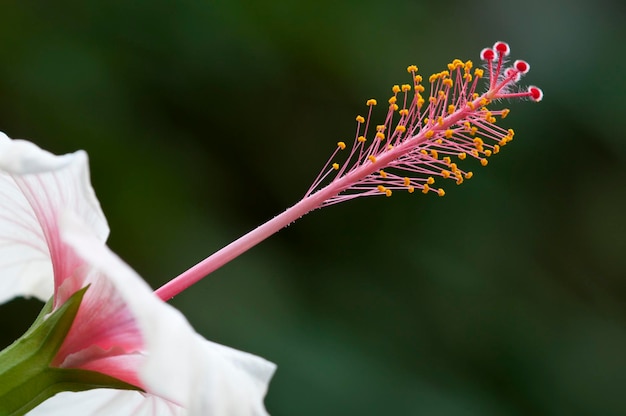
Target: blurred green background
(203, 119)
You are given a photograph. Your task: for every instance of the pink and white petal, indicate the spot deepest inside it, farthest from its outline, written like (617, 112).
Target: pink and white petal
(107, 402)
(115, 362)
(180, 366)
(104, 328)
(24, 257)
(34, 186)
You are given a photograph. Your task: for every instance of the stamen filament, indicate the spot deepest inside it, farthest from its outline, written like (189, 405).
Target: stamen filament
(407, 155)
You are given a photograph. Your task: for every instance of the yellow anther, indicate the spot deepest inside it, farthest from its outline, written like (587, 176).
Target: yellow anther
(411, 68)
(462, 155)
(417, 79)
(474, 96)
(361, 139)
(434, 154)
(467, 125)
(496, 149)
(407, 181)
(371, 102)
(451, 109)
(450, 66)
(380, 136)
(478, 73)
(474, 152)
(430, 180)
(440, 121)
(484, 162)
(445, 173)
(441, 192)
(426, 121)
(444, 74)
(372, 158)
(395, 89)
(383, 174)
(389, 146)
(468, 175)
(433, 77)
(335, 166)
(419, 88)
(487, 152)
(388, 192)
(380, 127)
(448, 82)
(468, 65)
(473, 130)
(393, 99)
(381, 188)
(406, 87)
(511, 133)
(459, 181)
(454, 168)
(425, 189)
(441, 95)
(424, 152)
(491, 119)
(447, 160)
(341, 145)
(432, 100)
(395, 107)
(401, 129)
(467, 77)
(483, 102)
(502, 142)
(505, 113)
(404, 112)
(429, 134)
(439, 141)
(478, 142)
(411, 189)
(360, 119)
(420, 102)
(471, 105)
(449, 133)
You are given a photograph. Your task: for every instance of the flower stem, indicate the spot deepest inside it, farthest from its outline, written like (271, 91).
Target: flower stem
(254, 237)
(243, 244)
(448, 124)
(306, 205)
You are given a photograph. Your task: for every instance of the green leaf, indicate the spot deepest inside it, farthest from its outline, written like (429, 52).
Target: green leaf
(26, 377)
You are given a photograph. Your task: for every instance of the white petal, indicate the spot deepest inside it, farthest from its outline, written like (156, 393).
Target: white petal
(106, 402)
(20, 157)
(202, 377)
(34, 186)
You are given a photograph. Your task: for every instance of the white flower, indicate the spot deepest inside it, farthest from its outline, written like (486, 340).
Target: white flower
(52, 234)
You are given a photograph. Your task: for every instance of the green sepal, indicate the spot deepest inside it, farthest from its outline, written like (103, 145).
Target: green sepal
(26, 377)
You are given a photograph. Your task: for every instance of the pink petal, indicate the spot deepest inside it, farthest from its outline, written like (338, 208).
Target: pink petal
(34, 186)
(178, 365)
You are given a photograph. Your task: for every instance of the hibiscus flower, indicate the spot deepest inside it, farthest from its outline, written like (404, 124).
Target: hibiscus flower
(52, 246)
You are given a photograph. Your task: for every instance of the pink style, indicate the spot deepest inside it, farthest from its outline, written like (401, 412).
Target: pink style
(418, 144)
